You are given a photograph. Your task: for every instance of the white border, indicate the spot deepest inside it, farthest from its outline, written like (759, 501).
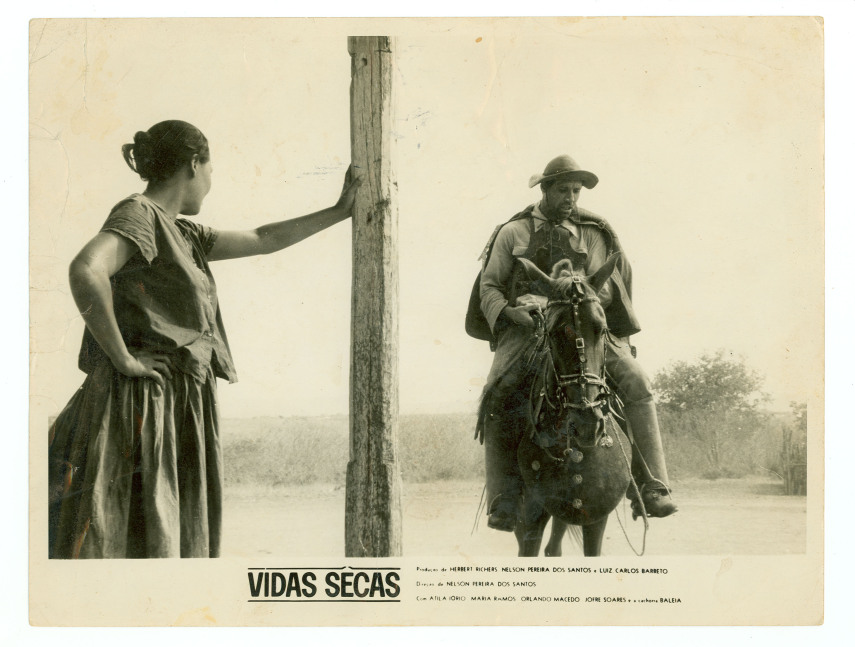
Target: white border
(840, 35)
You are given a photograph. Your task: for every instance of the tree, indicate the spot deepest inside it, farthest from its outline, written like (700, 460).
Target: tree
(717, 382)
(799, 412)
(714, 405)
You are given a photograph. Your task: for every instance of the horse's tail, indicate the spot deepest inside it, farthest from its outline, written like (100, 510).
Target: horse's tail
(575, 534)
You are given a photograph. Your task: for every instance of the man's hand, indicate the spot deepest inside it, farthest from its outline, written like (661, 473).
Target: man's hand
(521, 314)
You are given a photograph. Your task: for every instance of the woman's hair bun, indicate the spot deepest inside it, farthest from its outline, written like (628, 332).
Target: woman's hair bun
(129, 153)
(142, 138)
(158, 153)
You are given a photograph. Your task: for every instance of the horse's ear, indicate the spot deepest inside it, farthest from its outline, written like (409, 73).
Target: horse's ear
(598, 279)
(534, 272)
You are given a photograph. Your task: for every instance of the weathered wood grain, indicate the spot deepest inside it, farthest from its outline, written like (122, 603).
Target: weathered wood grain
(373, 501)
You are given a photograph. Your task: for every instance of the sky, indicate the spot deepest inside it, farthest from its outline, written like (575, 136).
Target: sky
(706, 134)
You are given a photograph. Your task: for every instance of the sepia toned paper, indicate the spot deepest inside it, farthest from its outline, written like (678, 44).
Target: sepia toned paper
(707, 136)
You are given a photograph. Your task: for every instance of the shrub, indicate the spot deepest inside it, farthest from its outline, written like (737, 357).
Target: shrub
(719, 444)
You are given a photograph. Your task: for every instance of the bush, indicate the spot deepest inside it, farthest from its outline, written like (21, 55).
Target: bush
(714, 382)
(719, 444)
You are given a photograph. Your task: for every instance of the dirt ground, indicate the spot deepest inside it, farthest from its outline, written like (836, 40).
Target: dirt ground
(724, 517)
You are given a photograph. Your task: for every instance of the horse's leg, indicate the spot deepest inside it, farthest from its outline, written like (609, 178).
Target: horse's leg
(530, 527)
(556, 535)
(592, 537)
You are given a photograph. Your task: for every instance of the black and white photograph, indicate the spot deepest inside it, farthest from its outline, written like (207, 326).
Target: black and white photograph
(485, 321)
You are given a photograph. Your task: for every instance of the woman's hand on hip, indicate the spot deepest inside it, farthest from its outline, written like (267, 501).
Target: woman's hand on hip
(143, 363)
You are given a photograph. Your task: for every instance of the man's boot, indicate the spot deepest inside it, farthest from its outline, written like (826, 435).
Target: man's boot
(648, 462)
(504, 482)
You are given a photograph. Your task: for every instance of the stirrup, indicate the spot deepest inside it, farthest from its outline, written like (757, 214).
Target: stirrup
(655, 501)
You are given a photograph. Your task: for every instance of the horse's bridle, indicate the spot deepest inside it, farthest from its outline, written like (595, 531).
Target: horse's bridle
(583, 377)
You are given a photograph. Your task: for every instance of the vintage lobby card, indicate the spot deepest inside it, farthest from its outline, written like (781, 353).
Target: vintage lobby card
(707, 137)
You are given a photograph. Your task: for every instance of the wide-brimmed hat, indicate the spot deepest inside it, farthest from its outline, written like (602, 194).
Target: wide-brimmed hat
(562, 166)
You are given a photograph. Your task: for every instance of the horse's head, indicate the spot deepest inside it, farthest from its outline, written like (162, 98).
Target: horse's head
(575, 326)
(575, 464)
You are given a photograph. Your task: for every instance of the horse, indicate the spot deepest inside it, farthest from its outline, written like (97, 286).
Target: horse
(574, 458)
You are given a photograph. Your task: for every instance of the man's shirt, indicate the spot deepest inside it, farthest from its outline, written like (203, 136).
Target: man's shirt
(513, 241)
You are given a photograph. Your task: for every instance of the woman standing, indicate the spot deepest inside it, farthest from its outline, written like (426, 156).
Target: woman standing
(135, 457)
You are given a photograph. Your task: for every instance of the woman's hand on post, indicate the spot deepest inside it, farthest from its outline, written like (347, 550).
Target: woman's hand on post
(352, 183)
(278, 235)
(142, 363)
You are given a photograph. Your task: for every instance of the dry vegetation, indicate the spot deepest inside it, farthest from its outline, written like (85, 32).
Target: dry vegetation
(301, 451)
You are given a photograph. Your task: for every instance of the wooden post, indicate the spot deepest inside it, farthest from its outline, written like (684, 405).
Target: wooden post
(373, 508)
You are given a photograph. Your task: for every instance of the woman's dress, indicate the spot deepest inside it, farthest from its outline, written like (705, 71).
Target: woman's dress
(136, 469)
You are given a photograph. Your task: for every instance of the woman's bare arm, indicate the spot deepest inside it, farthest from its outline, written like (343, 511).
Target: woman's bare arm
(279, 235)
(89, 277)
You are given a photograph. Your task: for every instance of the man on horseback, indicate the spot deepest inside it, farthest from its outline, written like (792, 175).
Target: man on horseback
(544, 233)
